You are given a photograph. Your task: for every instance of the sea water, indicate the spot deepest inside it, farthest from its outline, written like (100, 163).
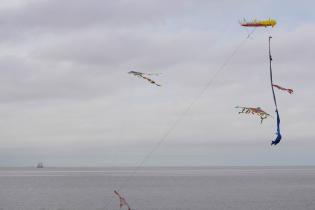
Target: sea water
(215, 188)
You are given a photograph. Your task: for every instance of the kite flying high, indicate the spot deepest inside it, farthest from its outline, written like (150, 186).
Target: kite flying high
(263, 115)
(250, 110)
(259, 23)
(144, 76)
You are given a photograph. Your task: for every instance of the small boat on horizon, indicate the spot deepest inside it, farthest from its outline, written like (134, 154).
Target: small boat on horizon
(40, 165)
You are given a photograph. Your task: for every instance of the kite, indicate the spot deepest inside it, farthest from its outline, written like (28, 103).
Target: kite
(282, 88)
(258, 111)
(259, 23)
(278, 138)
(122, 201)
(263, 115)
(144, 76)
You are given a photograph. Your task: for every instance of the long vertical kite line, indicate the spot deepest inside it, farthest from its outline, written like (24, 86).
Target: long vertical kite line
(184, 113)
(278, 138)
(188, 108)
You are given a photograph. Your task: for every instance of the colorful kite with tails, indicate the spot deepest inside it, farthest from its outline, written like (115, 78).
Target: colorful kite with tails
(258, 111)
(255, 111)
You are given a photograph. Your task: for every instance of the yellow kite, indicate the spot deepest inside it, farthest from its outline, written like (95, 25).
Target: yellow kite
(259, 23)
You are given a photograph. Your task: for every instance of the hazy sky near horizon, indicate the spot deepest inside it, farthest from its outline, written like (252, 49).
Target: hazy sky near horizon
(66, 98)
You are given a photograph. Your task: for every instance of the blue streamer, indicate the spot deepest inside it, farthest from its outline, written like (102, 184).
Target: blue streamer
(278, 138)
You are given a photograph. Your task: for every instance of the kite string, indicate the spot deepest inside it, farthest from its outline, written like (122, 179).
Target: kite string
(271, 75)
(279, 137)
(183, 114)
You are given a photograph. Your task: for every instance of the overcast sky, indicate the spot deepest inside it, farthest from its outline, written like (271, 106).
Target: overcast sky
(66, 98)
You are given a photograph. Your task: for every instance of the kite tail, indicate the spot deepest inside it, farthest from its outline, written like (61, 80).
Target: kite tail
(278, 138)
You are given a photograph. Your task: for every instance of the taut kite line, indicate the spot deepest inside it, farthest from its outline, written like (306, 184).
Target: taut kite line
(144, 76)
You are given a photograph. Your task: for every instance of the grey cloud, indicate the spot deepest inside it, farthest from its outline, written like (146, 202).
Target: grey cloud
(80, 13)
(54, 17)
(127, 47)
(64, 83)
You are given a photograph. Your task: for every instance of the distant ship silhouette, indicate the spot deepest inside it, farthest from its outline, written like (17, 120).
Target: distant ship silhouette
(40, 165)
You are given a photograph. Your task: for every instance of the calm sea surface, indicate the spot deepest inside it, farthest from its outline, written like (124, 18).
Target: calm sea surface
(222, 188)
